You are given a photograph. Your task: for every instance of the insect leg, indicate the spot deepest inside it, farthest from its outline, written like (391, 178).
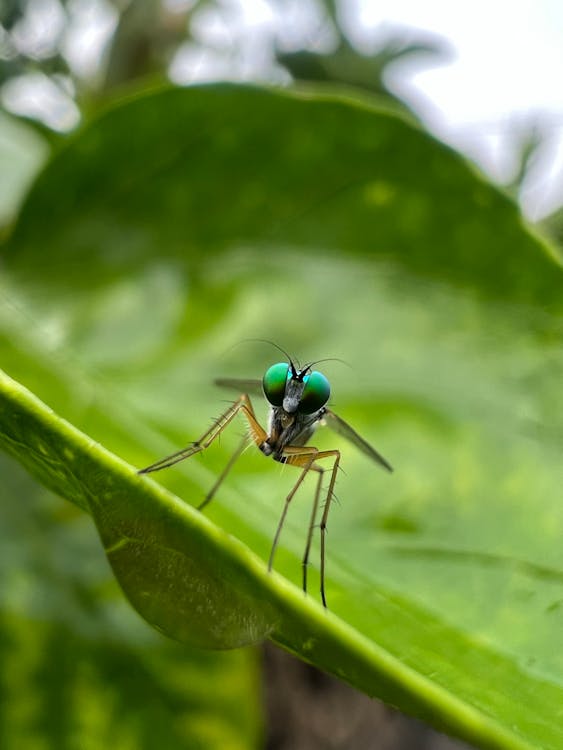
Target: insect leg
(296, 456)
(307, 457)
(305, 562)
(329, 496)
(211, 494)
(243, 405)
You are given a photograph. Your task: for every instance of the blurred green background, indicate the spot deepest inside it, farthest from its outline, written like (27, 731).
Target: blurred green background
(175, 225)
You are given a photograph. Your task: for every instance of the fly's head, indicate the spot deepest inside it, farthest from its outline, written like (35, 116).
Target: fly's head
(293, 392)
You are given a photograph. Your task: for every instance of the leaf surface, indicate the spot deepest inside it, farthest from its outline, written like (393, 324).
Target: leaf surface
(182, 223)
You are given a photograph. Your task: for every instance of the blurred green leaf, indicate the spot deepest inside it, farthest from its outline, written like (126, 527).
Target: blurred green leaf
(22, 153)
(185, 221)
(79, 668)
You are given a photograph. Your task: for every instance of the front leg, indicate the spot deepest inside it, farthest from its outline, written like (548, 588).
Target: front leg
(243, 405)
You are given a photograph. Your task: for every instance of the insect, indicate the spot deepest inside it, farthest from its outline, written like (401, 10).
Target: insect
(297, 397)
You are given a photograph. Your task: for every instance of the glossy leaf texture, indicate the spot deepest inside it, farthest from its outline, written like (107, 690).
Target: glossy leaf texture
(183, 223)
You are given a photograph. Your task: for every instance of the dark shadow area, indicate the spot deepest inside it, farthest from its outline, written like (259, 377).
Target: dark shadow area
(307, 709)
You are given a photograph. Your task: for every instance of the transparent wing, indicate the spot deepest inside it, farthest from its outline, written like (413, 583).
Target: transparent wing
(241, 385)
(341, 427)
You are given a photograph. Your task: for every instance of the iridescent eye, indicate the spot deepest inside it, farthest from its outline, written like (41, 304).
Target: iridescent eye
(315, 394)
(274, 382)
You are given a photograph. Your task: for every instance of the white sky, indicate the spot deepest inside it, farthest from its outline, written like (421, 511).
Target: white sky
(507, 68)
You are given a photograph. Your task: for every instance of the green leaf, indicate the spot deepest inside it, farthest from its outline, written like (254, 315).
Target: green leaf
(79, 667)
(22, 152)
(62, 687)
(182, 223)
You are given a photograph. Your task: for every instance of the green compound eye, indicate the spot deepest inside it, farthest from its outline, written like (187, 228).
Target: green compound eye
(274, 382)
(315, 394)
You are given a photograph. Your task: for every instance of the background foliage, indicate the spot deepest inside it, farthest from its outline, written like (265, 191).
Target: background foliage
(326, 238)
(177, 224)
